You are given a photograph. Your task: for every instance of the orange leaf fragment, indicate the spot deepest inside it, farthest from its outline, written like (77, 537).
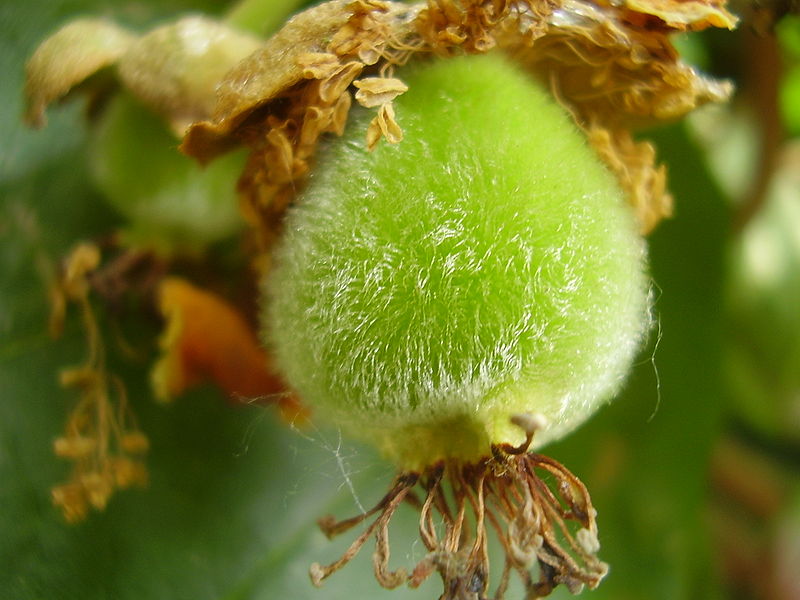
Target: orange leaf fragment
(207, 339)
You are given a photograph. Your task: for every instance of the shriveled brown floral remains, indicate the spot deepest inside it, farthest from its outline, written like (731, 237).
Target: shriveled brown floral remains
(550, 526)
(613, 67)
(101, 437)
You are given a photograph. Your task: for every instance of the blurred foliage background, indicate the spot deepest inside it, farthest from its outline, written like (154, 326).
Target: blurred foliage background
(695, 469)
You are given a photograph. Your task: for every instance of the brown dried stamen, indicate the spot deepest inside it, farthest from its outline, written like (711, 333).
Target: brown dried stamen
(534, 522)
(101, 437)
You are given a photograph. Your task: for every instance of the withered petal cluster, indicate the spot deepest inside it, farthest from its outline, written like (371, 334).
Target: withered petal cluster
(610, 64)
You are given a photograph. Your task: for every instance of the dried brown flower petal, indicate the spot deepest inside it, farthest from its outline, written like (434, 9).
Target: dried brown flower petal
(607, 72)
(67, 58)
(265, 75)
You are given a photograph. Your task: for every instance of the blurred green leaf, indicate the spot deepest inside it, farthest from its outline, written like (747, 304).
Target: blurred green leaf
(763, 349)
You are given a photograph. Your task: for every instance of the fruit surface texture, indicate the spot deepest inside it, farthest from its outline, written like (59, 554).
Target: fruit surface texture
(487, 265)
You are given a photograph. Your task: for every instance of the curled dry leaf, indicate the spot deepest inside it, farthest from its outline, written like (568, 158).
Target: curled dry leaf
(67, 58)
(174, 69)
(612, 66)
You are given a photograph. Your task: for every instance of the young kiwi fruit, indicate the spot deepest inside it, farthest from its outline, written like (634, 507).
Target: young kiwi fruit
(443, 297)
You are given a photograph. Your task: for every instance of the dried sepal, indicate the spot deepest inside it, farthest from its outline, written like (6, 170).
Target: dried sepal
(175, 68)
(67, 58)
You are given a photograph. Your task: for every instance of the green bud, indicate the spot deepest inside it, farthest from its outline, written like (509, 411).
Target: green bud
(170, 201)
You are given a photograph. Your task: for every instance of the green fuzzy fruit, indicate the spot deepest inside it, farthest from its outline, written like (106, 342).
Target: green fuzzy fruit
(486, 266)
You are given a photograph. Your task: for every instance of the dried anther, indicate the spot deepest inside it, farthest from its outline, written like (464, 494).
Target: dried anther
(549, 526)
(374, 91)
